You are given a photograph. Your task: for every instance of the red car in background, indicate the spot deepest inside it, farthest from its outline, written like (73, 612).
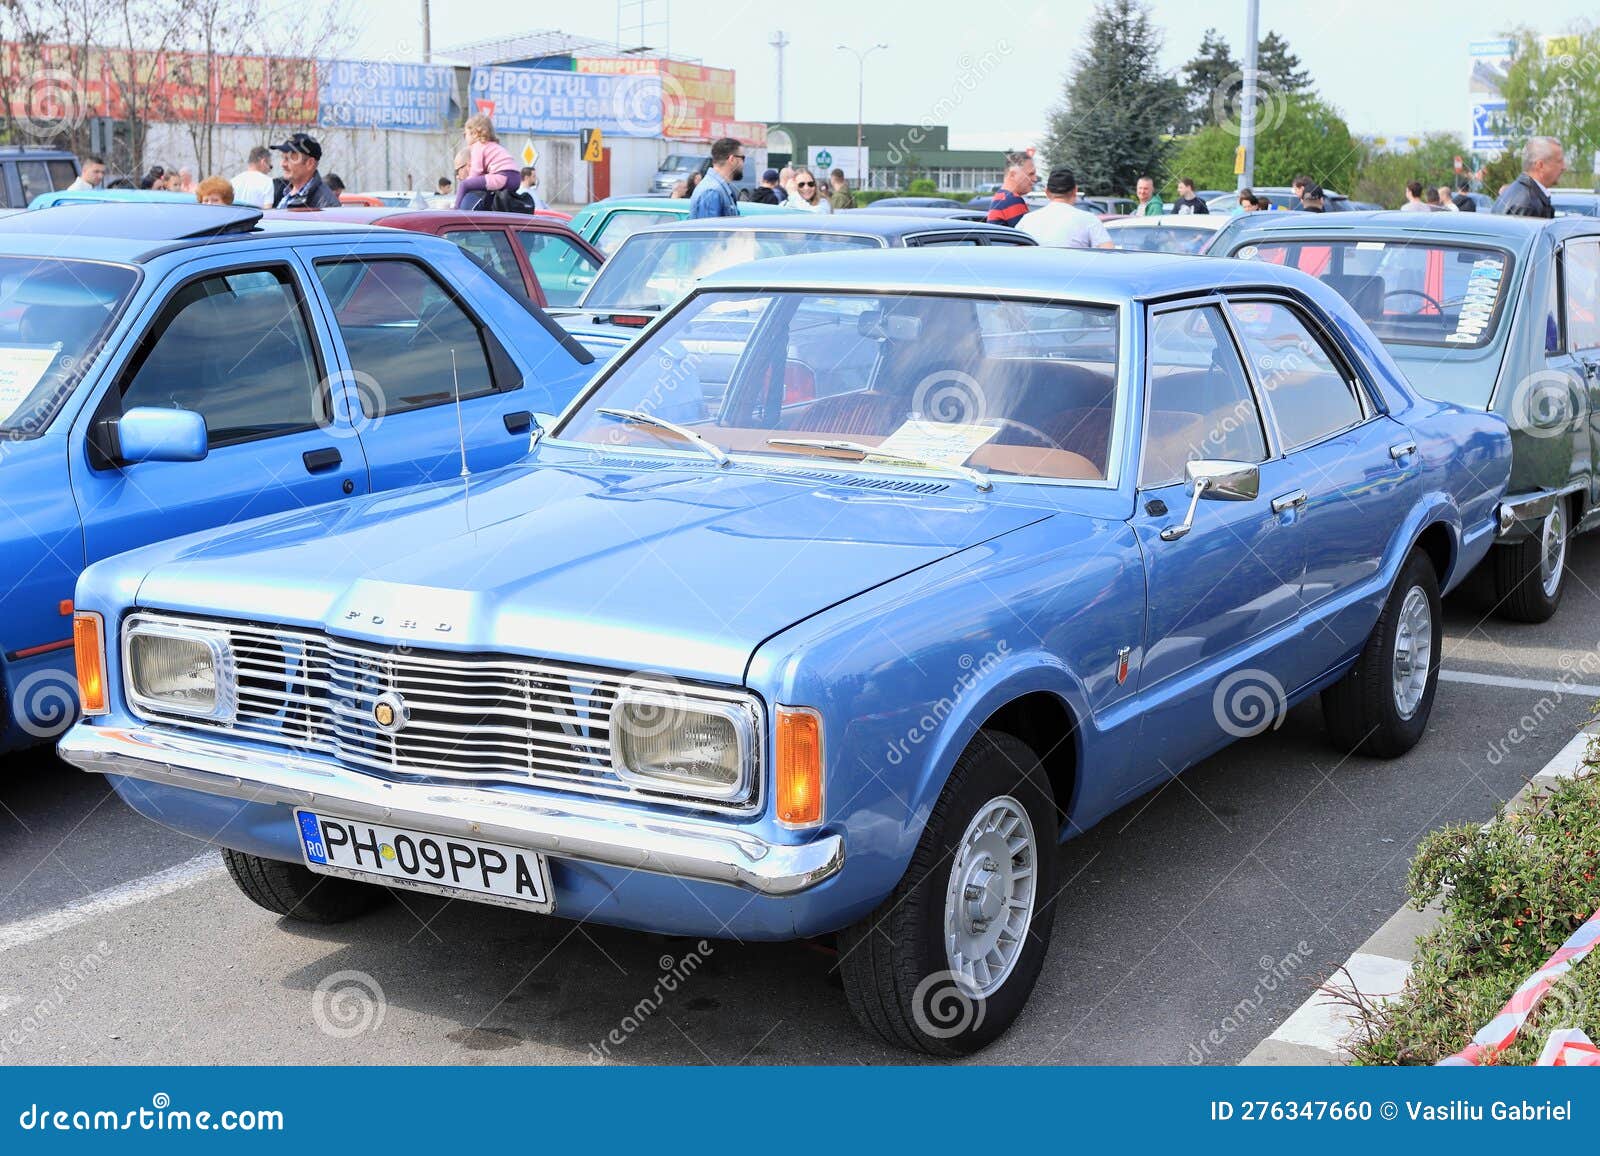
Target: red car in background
(543, 258)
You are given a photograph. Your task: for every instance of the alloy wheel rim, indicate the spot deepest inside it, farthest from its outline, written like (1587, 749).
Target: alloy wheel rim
(1413, 651)
(1553, 552)
(988, 904)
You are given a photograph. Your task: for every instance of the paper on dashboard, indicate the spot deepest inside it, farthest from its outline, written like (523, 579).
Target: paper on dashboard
(21, 368)
(950, 443)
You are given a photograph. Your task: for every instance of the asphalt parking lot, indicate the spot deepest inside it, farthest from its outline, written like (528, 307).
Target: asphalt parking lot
(1208, 910)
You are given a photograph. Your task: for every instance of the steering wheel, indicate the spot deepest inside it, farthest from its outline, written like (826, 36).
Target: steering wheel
(1428, 297)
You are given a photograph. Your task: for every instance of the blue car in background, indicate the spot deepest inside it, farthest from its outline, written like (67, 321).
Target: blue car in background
(720, 661)
(110, 196)
(166, 368)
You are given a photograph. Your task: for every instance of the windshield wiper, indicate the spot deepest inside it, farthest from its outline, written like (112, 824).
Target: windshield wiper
(872, 454)
(688, 435)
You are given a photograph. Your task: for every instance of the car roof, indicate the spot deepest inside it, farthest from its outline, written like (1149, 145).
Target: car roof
(400, 216)
(1514, 231)
(135, 232)
(857, 223)
(1100, 276)
(1171, 221)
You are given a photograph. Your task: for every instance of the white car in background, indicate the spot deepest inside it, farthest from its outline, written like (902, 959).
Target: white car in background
(1168, 233)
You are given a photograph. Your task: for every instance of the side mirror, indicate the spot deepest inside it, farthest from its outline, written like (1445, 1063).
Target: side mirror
(1221, 481)
(153, 434)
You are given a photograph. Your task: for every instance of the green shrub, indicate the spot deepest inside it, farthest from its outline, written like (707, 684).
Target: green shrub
(1512, 892)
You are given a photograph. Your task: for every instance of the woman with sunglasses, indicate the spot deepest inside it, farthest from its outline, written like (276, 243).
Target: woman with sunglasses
(807, 195)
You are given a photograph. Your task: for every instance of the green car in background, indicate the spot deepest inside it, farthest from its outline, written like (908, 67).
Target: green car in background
(1492, 312)
(606, 224)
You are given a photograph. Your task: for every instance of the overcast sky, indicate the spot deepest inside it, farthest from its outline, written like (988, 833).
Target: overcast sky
(996, 65)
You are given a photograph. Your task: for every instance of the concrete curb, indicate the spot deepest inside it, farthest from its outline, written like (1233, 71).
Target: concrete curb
(1315, 1033)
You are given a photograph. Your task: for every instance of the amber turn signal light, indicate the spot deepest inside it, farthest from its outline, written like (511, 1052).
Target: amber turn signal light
(88, 647)
(799, 787)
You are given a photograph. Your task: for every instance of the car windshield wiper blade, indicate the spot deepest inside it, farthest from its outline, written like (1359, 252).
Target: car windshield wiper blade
(873, 454)
(637, 415)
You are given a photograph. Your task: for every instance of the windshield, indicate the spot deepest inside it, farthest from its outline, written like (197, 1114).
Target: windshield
(680, 163)
(657, 270)
(1408, 292)
(1161, 238)
(1005, 387)
(53, 316)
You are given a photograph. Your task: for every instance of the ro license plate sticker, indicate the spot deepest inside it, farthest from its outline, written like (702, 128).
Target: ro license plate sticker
(420, 860)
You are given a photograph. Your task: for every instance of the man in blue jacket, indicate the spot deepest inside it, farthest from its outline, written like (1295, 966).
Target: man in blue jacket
(715, 196)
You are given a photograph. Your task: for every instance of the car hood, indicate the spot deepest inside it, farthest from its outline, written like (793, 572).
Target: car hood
(639, 565)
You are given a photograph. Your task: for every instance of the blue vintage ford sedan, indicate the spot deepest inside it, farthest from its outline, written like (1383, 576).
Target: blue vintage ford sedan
(829, 607)
(166, 368)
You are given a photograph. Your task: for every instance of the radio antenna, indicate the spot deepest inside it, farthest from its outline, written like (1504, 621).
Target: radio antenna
(461, 433)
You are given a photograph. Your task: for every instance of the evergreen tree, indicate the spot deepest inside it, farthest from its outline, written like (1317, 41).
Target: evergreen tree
(1118, 110)
(1278, 68)
(1212, 70)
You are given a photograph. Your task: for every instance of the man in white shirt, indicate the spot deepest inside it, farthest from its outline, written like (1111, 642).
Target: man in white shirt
(530, 188)
(253, 185)
(92, 175)
(1059, 223)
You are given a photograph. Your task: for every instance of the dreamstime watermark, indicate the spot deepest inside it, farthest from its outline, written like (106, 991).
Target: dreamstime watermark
(973, 672)
(971, 71)
(160, 1116)
(951, 396)
(1248, 702)
(1274, 973)
(46, 702)
(72, 974)
(1546, 404)
(1228, 103)
(943, 1006)
(52, 103)
(674, 973)
(1567, 684)
(348, 1003)
(366, 402)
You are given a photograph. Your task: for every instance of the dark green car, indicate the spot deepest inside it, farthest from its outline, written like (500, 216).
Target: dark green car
(1493, 312)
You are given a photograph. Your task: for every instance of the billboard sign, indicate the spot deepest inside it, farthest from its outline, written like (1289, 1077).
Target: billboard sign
(1490, 61)
(381, 94)
(547, 102)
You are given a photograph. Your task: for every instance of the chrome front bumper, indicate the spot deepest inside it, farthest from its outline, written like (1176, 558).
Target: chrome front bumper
(591, 831)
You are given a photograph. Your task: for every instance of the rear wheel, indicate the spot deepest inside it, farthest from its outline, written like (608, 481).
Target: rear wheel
(299, 893)
(948, 960)
(1530, 575)
(1381, 706)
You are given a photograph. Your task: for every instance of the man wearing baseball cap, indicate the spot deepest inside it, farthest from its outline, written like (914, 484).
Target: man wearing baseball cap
(304, 188)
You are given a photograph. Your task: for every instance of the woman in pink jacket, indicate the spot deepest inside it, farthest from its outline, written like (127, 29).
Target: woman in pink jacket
(490, 168)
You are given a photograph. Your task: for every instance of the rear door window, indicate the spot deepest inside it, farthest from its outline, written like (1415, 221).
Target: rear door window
(1580, 274)
(62, 173)
(35, 179)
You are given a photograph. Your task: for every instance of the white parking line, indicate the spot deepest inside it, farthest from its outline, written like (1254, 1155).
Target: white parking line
(1520, 683)
(202, 867)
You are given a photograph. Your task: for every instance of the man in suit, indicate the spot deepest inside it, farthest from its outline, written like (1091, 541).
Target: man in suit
(1542, 165)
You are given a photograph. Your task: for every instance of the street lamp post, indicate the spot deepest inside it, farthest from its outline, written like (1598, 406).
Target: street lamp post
(861, 55)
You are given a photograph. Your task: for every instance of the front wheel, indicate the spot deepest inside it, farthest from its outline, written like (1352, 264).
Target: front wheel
(1530, 575)
(299, 893)
(1381, 706)
(948, 960)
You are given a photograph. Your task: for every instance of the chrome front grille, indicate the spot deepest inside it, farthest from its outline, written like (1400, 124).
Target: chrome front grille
(470, 719)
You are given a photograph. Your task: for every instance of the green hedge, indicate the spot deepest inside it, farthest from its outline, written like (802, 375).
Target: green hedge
(1512, 893)
(867, 196)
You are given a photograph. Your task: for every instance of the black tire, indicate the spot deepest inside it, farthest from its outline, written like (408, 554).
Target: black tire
(1519, 578)
(897, 975)
(299, 893)
(1361, 710)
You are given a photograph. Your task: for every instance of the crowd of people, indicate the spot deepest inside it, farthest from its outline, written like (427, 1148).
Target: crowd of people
(488, 178)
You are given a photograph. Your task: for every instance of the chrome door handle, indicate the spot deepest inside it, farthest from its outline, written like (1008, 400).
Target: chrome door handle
(1290, 501)
(1402, 450)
